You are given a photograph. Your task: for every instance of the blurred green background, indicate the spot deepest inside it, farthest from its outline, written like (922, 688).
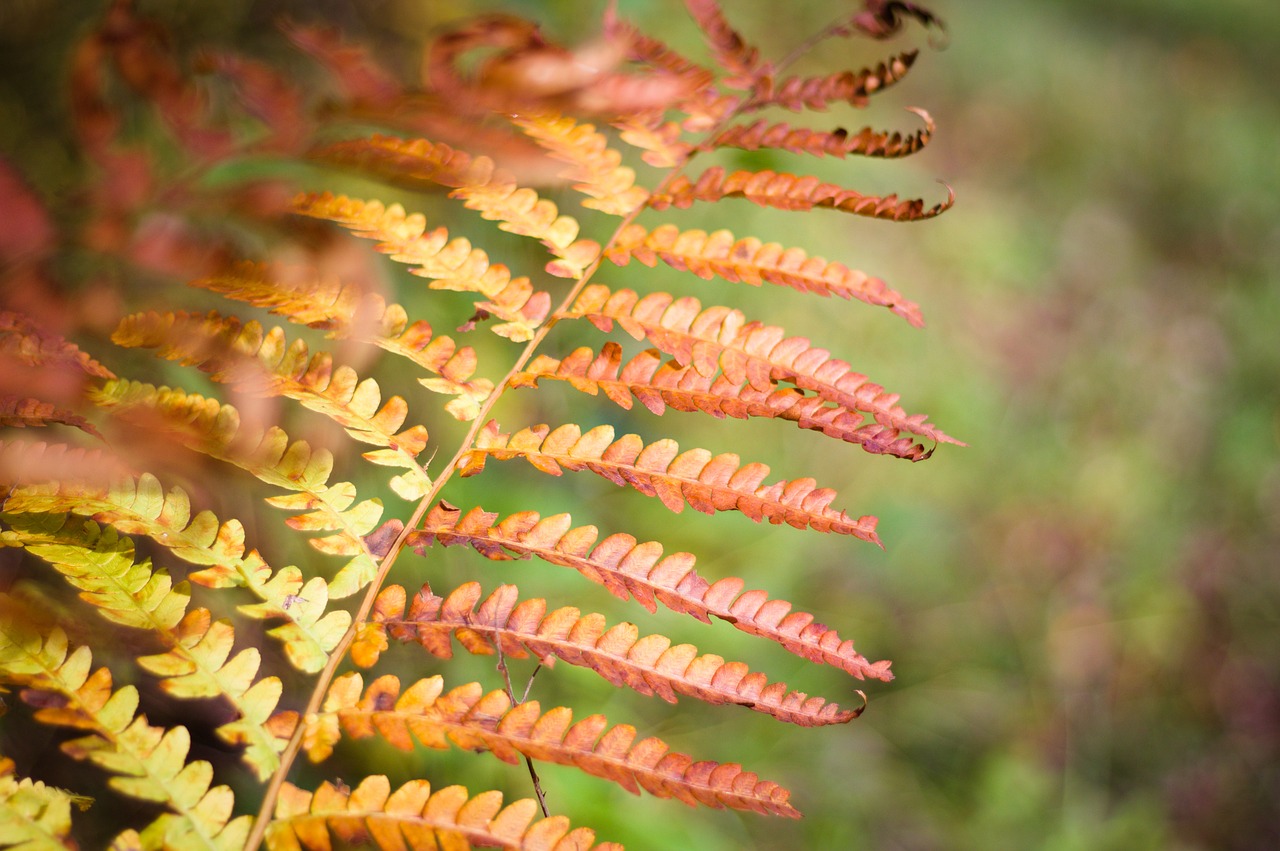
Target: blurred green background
(1082, 606)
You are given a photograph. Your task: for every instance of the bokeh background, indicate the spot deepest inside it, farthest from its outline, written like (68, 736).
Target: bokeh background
(1083, 605)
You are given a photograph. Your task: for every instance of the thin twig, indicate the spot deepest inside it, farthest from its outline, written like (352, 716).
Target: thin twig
(506, 678)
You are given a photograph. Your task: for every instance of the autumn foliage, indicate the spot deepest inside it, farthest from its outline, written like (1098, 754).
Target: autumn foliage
(116, 499)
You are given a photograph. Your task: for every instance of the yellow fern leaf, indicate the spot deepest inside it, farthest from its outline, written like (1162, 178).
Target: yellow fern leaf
(348, 314)
(149, 762)
(266, 364)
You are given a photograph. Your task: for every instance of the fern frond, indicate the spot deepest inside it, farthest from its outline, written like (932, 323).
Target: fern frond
(18, 412)
(731, 52)
(867, 142)
(790, 192)
(346, 313)
(150, 762)
(852, 87)
(102, 565)
(264, 363)
(752, 262)
(746, 351)
(708, 483)
(415, 817)
(471, 719)
(33, 816)
(213, 429)
(494, 194)
(627, 568)
(596, 168)
(658, 385)
(451, 264)
(649, 665)
(26, 342)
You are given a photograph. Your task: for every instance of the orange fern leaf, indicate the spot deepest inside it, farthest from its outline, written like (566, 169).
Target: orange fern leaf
(452, 264)
(867, 142)
(597, 168)
(348, 314)
(28, 343)
(658, 385)
(762, 355)
(708, 483)
(264, 363)
(494, 194)
(414, 816)
(790, 192)
(18, 412)
(471, 719)
(852, 87)
(627, 568)
(752, 262)
(649, 665)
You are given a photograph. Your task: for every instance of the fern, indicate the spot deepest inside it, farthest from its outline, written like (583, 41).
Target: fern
(142, 522)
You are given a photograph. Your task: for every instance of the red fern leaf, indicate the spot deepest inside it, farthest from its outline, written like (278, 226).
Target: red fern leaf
(752, 262)
(707, 483)
(649, 665)
(790, 192)
(852, 87)
(867, 142)
(471, 719)
(731, 52)
(659, 385)
(760, 354)
(631, 569)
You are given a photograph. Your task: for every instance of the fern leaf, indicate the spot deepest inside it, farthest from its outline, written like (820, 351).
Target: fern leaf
(348, 314)
(866, 142)
(213, 429)
(26, 342)
(23, 463)
(33, 816)
(451, 264)
(150, 762)
(101, 564)
(18, 412)
(494, 194)
(751, 351)
(852, 87)
(659, 385)
(649, 665)
(752, 262)
(730, 50)
(196, 666)
(789, 192)
(471, 719)
(414, 816)
(708, 483)
(627, 568)
(264, 363)
(596, 168)
(310, 635)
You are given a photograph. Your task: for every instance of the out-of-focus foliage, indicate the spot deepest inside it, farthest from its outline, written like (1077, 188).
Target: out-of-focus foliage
(1085, 637)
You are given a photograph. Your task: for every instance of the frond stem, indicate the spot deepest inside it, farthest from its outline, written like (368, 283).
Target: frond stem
(339, 652)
